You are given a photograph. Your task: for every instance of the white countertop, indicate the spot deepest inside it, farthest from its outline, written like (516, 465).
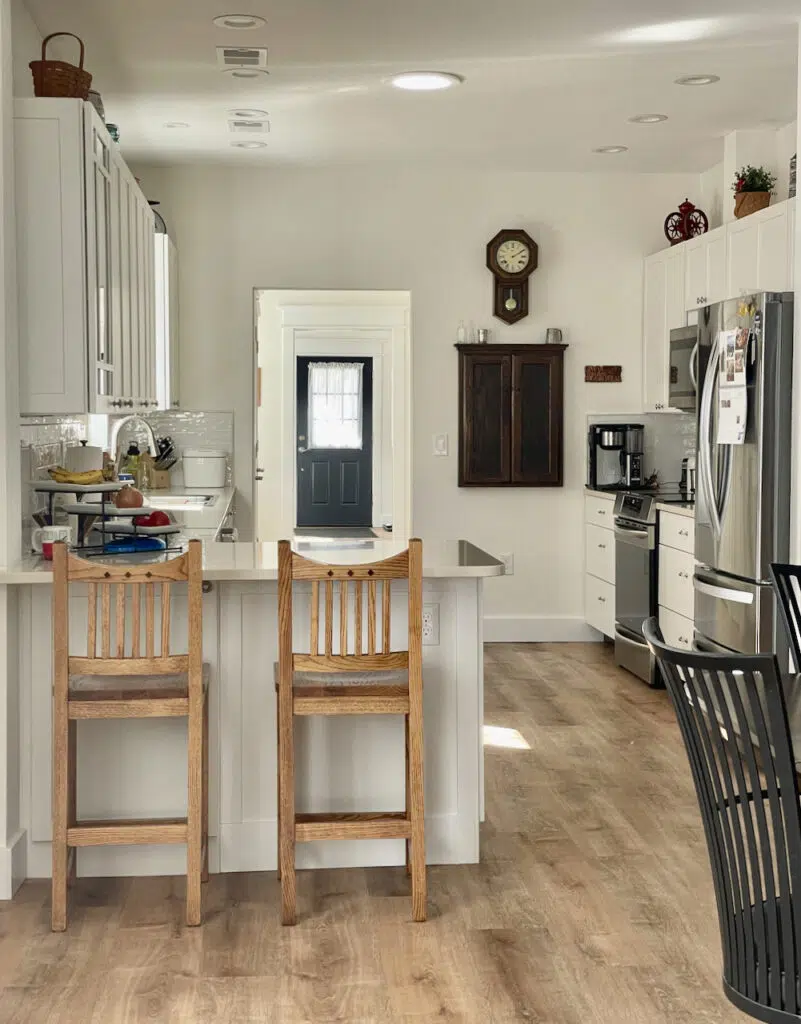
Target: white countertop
(247, 562)
(686, 509)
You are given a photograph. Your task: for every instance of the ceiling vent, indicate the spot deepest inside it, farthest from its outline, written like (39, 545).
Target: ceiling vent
(248, 126)
(242, 57)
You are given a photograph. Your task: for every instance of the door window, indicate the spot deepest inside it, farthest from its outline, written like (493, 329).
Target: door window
(335, 405)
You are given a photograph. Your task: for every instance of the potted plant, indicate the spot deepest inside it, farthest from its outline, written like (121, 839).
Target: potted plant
(752, 190)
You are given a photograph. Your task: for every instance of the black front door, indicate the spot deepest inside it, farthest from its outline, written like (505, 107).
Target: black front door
(335, 441)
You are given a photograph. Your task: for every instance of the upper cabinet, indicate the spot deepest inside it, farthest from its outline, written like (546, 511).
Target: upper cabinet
(663, 310)
(86, 266)
(705, 269)
(510, 415)
(166, 296)
(760, 252)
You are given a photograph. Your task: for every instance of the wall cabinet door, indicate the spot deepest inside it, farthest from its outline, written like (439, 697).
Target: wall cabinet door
(485, 417)
(663, 310)
(705, 269)
(537, 398)
(166, 302)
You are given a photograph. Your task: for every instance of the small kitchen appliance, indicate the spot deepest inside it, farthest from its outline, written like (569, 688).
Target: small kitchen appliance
(615, 456)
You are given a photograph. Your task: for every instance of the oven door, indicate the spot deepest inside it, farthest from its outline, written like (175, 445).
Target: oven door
(683, 380)
(635, 595)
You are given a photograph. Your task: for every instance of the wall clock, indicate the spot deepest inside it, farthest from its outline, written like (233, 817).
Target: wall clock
(511, 257)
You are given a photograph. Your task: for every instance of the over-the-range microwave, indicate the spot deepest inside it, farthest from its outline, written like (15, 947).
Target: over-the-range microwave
(683, 368)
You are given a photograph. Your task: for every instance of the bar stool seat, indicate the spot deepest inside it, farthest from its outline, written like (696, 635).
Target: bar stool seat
(131, 687)
(389, 677)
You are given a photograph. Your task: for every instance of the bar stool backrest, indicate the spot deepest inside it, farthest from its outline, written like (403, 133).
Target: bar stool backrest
(349, 626)
(123, 637)
(787, 583)
(733, 720)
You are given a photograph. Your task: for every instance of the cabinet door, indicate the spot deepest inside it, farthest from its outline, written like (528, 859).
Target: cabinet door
(694, 272)
(103, 377)
(172, 312)
(716, 246)
(675, 312)
(537, 398)
(485, 399)
(773, 249)
(655, 334)
(742, 261)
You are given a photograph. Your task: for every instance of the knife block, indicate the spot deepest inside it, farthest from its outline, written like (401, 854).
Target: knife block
(160, 480)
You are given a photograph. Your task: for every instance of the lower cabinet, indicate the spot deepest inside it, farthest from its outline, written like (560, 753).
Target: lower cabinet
(676, 629)
(599, 604)
(676, 566)
(599, 563)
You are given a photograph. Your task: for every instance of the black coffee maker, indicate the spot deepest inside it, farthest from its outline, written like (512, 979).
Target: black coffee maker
(615, 456)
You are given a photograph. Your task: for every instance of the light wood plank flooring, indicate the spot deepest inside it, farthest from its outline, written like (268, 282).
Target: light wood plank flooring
(593, 901)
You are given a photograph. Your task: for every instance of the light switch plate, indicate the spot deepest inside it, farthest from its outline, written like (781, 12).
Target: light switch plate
(440, 444)
(508, 560)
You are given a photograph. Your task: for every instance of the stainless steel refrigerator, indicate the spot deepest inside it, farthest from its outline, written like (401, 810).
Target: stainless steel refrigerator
(742, 506)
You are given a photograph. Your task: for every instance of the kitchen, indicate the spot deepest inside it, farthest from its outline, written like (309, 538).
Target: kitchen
(241, 221)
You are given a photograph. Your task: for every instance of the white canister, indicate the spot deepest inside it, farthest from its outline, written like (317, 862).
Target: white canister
(83, 457)
(204, 467)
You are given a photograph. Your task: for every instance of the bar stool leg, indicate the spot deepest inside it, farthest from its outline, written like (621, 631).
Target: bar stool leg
(408, 842)
(286, 804)
(204, 875)
(194, 816)
(278, 794)
(61, 806)
(417, 810)
(72, 813)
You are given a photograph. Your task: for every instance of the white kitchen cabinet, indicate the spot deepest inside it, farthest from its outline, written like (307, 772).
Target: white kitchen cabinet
(599, 604)
(663, 310)
(705, 269)
(599, 563)
(676, 567)
(676, 629)
(759, 252)
(599, 546)
(166, 298)
(86, 298)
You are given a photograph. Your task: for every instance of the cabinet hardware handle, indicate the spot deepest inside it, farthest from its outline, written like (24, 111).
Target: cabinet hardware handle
(683, 640)
(602, 547)
(601, 512)
(684, 533)
(684, 575)
(602, 600)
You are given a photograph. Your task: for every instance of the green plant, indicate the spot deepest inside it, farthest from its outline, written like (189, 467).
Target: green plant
(754, 179)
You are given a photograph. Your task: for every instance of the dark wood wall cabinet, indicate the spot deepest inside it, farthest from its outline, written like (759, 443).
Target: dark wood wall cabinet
(510, 415)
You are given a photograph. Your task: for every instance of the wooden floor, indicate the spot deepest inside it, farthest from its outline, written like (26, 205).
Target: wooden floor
(593, 901)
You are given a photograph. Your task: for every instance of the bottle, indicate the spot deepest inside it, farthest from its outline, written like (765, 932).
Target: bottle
(461, 333)
(132, 459)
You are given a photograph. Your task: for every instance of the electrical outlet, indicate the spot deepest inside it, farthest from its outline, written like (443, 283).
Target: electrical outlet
(509, 563)
(440, 445)
(431, 624)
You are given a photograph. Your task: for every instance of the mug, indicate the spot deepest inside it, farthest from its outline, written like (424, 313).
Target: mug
(553, 336)
(44, 537)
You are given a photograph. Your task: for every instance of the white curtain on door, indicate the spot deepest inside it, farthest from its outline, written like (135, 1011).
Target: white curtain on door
(335, 405)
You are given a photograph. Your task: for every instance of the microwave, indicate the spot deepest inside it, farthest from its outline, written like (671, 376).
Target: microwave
(683, 368)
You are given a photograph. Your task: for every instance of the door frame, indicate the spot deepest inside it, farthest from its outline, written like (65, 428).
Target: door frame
(348, 322)
(320, 343)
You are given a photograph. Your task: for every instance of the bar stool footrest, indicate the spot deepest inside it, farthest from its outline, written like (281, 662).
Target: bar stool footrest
(351, 700)
(131, 832)
(369, 825)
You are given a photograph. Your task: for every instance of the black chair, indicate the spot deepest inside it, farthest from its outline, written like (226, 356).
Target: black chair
(733, 720)
(787, 584)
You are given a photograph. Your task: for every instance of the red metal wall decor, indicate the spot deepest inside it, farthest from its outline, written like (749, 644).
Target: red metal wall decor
(686, 222)
(603, 374)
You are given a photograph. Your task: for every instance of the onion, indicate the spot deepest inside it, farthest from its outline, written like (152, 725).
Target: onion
(129, 497)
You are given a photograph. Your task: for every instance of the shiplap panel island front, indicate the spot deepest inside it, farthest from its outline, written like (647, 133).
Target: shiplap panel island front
(133, 769)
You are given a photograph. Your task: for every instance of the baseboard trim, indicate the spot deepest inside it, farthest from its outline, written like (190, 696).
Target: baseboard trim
(538, 629)
(13, 865)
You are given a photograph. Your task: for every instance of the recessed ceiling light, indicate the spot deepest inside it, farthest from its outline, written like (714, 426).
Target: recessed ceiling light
(248, 113)
(176, 124)
(611, 149)
(240, 21)
(245, 72)
(697, 79)
(648, 118)
(425, 81)
(249, 145)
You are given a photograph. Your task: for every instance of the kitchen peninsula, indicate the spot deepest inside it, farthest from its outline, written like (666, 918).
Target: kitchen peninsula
(131, 769)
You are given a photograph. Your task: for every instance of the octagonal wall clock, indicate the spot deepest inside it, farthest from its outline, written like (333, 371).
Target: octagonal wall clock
(511, 258)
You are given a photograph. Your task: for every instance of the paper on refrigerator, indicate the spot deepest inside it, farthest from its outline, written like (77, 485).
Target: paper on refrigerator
(732, 390)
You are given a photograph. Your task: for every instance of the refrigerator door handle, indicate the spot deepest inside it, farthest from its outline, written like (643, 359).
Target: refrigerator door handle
(704, 441)
(723, 593)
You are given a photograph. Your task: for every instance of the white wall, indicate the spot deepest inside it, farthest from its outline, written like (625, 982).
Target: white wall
(27, 46)
(391, 229)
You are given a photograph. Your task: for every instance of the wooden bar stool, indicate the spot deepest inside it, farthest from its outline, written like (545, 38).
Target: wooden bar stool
(351, 681)
(128, 679)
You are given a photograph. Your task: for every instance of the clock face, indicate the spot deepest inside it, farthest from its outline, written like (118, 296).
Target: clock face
(513, 256)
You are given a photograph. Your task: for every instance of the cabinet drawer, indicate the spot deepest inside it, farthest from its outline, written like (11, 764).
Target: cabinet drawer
(600, 552)
(676, 629)
(599, 604)
(677, 531)
(676, 581)
(599, 511)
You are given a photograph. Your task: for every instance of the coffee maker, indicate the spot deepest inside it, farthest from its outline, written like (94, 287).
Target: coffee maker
(615, 456)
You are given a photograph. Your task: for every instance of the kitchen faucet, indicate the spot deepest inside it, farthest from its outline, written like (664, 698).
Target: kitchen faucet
(117, 426)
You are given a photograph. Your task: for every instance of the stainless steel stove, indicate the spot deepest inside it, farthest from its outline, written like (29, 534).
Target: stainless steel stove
(636, 593)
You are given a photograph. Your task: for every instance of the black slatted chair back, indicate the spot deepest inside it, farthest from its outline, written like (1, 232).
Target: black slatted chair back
(733, 720)
(787, 584)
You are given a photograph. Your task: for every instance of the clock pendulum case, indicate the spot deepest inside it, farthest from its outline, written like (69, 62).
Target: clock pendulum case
(511, 258)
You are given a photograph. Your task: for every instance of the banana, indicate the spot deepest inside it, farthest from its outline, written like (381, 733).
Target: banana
(88, 477)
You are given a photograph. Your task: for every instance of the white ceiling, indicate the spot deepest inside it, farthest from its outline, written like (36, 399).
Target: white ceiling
(546, 80)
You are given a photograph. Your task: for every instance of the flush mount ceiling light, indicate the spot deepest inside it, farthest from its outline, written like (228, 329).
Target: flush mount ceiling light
(239, 21)
(248, 113)
(176, 124)
(245, 72)
(249, 145)
(425, 81)
(697, 79)
(648, 118)
(609, 150)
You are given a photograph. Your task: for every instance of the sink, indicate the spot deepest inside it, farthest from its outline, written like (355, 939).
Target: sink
(181, 502)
